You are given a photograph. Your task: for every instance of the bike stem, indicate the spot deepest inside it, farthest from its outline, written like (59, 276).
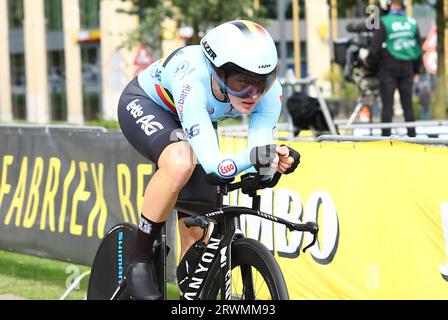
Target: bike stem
(222, 190)
(256, 201)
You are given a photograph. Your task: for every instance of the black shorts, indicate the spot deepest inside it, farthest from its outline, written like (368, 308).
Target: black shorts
(150, 129)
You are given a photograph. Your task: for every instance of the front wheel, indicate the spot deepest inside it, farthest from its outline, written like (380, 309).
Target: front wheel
(256, 274)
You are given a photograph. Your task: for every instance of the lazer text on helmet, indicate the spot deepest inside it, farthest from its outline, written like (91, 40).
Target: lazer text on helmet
(209, 50)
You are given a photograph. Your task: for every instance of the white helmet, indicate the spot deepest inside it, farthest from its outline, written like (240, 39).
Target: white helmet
(242, 48)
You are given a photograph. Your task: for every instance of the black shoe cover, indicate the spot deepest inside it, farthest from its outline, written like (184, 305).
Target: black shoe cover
(142, 281)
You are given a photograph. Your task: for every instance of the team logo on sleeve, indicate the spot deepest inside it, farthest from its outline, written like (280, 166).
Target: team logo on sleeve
(194, 131)
(185, 134)
(156, 73)
(227, 168)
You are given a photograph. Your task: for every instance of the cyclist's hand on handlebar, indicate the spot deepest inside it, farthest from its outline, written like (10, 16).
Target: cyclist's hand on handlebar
(275, 164)
(284, 160)
(265, 159)
(288, 160)
(272, 158)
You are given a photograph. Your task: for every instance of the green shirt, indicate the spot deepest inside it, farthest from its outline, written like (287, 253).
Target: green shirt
(401, 37)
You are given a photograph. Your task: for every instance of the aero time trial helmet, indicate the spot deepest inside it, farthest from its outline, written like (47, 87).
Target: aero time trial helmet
(242, 58)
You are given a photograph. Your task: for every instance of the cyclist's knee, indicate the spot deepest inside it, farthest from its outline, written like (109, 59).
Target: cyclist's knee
(180, 174)
(177, 161)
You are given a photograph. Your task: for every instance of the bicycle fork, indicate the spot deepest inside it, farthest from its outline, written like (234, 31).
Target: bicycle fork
(225, 262)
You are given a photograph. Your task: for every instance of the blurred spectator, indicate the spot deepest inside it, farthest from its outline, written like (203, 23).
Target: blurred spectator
(424, 100)
(395, 49)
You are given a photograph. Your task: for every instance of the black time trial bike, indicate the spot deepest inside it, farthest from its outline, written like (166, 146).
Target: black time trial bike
(223, 264)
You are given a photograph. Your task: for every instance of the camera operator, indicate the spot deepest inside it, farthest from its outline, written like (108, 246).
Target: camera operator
(396, 51)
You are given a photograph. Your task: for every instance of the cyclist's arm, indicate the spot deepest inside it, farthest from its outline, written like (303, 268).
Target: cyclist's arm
(264, 119)
(200, 132)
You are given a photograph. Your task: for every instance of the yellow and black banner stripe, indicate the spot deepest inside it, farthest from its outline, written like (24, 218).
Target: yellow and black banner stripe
(61, 193)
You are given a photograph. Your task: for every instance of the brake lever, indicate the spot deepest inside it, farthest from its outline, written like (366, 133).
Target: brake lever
(314, 229)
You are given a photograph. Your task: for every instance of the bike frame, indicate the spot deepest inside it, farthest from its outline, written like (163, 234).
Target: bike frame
(219, 246)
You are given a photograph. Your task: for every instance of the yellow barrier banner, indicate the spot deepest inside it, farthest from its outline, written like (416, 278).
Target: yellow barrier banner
(382, 209)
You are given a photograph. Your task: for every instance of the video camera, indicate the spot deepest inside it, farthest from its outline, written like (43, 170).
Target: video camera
(346, 54)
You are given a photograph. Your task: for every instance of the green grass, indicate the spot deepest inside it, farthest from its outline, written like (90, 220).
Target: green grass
(43, 279)
(38, 279)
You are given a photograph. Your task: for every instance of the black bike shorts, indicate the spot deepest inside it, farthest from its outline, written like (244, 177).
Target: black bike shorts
(150, 129)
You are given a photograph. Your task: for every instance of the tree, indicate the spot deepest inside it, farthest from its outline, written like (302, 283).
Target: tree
(145, 10)
(200, 15)
(440, 109)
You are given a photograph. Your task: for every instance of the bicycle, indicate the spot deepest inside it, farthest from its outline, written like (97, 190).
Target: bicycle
(210, 266)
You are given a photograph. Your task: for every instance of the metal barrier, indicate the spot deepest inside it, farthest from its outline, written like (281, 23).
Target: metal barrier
(382, 125)
(47, 128)
(429, 141)
(431, 129)
(240, 131)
